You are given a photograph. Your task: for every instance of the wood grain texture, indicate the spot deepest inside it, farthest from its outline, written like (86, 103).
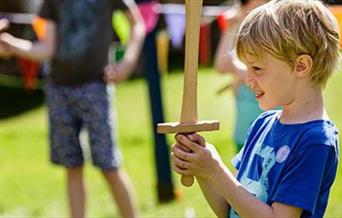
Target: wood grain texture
(193, 23)
(181, 127)
(188, 118)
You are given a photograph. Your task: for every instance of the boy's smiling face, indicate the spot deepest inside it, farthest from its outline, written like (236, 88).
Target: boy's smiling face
(273, 81)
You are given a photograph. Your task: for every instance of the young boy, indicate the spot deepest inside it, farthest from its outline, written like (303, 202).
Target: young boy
(289, 160)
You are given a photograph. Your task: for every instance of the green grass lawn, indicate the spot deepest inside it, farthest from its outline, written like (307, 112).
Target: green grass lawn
(31, 187)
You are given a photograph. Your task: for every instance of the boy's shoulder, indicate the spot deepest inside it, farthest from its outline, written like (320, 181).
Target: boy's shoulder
(263, 122)
(266, 117)
(321, 132)
(269, 114)
(316, 131)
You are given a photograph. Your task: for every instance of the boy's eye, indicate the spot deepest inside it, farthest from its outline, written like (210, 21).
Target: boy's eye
(256, 69)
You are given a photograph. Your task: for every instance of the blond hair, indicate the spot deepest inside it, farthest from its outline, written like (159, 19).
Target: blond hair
(289, 28)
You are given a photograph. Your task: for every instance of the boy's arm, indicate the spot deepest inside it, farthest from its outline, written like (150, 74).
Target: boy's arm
(216, 201)
(121, 71)
(217, 179)
(137, 33)
(244, 203)
(40, 51)
(214, 198)
(225, 58)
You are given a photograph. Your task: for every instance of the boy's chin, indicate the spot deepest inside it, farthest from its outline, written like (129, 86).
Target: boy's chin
(266, 107)
(263, 107)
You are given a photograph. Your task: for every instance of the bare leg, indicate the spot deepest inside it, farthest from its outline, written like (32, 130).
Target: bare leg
(122, 193)
(76, 192)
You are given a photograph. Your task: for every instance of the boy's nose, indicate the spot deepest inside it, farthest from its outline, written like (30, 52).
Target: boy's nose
(249, 79)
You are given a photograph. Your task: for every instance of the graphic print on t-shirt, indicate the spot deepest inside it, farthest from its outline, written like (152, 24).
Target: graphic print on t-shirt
(255, 178)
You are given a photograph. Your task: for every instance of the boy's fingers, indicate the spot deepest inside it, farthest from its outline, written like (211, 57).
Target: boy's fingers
(179, 153)
(183, 147)
(183, 155)
(182, 171)
(187, 142)
(177, 166)
(180, 163)
(197, 138)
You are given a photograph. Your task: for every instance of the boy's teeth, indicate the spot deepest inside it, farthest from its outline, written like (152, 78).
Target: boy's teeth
(259, 93)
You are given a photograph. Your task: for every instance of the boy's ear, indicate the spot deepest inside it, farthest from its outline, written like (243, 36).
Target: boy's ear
(303, 65)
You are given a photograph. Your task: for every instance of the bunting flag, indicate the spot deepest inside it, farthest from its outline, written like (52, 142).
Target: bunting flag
(222, 22)
(163, 51)
(28, 68)
(205, 44)
(39, 27)
(176, 28)
(149, 13)
(121, 26)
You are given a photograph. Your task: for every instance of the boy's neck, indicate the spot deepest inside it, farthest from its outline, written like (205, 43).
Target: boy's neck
(307, 106)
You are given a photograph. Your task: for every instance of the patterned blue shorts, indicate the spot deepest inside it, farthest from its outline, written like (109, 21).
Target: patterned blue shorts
(81, 107)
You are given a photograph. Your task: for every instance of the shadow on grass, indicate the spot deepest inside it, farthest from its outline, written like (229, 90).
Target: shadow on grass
(14, 101)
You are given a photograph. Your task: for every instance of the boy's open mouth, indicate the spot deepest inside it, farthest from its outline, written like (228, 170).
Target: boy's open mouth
(259, 94)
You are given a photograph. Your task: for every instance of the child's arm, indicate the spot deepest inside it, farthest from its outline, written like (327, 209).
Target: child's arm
(225, 57)
(41, 50)
(215, 200)
(215, 177)
(121, 71)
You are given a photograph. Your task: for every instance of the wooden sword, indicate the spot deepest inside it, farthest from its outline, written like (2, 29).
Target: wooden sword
(188, 119)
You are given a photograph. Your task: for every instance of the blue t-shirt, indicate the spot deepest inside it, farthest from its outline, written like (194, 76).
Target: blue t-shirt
(293, 164)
